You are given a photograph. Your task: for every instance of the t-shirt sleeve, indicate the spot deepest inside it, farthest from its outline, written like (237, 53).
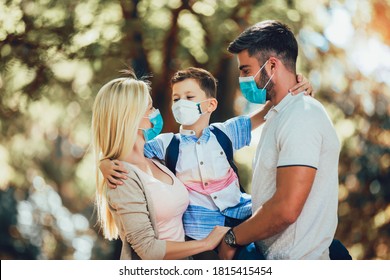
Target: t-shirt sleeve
(238, 130)
(299, 141)
(156, 147)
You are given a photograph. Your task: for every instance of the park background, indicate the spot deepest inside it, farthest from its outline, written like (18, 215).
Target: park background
(56, 54)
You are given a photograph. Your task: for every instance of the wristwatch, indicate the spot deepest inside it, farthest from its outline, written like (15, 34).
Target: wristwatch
(230, 239)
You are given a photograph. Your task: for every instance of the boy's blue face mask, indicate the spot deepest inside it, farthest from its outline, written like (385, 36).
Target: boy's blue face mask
(250, 90)
(157, 121)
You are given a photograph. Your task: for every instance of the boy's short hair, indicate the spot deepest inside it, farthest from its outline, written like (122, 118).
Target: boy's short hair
(206, 80)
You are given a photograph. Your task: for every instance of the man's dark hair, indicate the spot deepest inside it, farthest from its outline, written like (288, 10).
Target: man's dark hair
(265, 39)
(206, 81)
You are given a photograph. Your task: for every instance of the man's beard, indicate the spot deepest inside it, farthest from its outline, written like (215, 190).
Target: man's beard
(264, 78)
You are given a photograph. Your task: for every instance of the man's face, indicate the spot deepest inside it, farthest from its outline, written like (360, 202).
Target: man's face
(249, 66)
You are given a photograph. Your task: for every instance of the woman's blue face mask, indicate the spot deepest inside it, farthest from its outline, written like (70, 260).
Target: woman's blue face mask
(250, 90)
(157, 121)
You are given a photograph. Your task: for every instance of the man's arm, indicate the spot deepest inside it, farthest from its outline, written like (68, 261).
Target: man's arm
(293, 185)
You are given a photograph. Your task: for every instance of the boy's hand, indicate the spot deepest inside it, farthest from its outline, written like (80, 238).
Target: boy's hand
(113, 172)
(303, 84)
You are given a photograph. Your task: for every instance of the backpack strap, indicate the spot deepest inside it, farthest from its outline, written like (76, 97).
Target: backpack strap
(224, 141)
(172, 153)
(227, 147)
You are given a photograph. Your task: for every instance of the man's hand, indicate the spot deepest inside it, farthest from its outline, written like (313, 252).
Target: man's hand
(303, 84)
(226, 252)
(113, 172)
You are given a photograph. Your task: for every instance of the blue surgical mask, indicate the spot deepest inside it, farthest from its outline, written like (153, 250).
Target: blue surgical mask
(250, 90)
(157, 121)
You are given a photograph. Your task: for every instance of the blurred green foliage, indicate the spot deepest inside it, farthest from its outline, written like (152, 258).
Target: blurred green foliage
(55, 55)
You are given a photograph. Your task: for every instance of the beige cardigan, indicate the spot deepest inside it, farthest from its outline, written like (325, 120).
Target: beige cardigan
(133, 212)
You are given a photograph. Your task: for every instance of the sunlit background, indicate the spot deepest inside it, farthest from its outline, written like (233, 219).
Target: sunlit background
(55, 55)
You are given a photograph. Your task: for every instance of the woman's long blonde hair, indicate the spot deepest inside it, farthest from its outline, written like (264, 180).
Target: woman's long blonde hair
(117, 111)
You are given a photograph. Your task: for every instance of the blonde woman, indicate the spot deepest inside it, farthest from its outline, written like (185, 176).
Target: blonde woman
(146, 212)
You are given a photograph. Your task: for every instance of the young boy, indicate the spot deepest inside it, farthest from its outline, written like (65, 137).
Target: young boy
(202, 164)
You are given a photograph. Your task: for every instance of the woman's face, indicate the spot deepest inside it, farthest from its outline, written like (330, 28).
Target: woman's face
(145, 122)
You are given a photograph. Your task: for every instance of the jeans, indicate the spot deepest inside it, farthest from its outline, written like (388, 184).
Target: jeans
(248, 252)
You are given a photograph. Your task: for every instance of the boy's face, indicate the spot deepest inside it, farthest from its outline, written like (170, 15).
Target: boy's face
(188, 89)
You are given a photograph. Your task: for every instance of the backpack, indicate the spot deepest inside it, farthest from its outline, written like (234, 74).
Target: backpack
(172, 151)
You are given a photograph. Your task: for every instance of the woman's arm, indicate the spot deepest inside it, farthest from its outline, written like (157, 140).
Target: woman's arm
(130, 203)
(180, 250)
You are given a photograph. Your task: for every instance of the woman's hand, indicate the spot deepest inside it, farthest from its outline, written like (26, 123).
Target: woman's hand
(215, 237)
(303, 84)
(113, 172)
(225, 252)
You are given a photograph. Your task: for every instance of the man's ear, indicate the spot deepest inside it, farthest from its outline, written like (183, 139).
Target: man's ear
(213, 104)
(273, 63)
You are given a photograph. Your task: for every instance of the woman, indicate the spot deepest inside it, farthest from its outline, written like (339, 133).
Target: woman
(146, 212)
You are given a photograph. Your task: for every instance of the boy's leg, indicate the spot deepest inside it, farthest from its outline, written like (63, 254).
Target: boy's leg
(232, 222)
(208, 255)
(248, 252)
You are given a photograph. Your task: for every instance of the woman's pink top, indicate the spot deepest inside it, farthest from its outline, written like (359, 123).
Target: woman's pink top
(170, 202)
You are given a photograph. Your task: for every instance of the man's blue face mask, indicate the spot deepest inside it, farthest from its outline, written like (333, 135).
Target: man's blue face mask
(250, 90)
(157, 121)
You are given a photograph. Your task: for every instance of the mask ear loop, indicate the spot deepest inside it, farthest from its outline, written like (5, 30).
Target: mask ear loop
(260, 69)
(148, 117)
(199, 108)
(269, 80)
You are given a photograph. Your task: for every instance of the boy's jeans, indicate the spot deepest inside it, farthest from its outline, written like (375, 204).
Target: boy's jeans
(248, 252)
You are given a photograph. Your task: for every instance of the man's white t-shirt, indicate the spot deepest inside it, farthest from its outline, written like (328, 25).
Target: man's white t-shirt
(298, 131)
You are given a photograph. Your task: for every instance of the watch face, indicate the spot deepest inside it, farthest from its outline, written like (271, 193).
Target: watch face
(229, 238)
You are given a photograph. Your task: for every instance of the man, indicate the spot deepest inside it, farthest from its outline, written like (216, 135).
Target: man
(295, 170)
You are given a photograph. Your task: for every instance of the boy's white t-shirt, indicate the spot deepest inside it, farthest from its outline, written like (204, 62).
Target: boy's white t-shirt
(298, 131)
